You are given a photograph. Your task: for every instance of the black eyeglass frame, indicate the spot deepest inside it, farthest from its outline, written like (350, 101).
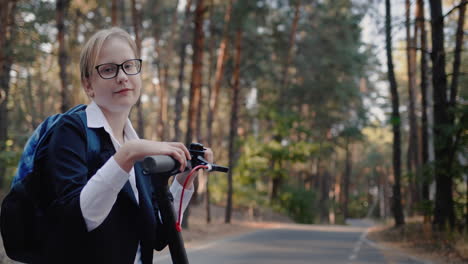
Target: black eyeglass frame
(119, 66)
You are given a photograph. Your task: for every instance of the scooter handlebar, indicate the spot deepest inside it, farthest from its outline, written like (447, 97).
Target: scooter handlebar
(163, 164)
(160, 164)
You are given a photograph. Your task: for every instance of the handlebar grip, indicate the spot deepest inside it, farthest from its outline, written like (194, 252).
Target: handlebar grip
(163, 164)
(219, 168)
(160, 164)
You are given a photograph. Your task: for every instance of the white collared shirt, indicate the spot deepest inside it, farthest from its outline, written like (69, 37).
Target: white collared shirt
(100, 192)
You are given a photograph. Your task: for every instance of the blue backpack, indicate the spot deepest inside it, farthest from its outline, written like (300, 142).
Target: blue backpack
(21, 218)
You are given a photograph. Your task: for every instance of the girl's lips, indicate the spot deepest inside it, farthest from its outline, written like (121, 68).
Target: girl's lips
(123, 90)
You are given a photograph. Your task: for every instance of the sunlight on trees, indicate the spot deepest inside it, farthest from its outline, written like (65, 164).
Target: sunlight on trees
(311, 132)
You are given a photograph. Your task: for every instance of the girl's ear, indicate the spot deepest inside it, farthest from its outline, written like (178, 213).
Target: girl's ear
(88, 87)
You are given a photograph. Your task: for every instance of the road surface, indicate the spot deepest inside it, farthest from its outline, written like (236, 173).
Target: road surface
(296, 244)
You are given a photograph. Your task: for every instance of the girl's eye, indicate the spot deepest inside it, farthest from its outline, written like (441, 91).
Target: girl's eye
(129, 65)
(108, 69)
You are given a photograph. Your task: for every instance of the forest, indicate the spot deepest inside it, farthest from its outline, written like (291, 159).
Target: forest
(323, 110)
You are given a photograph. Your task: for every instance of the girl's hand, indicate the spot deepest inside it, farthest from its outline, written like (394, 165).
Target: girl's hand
(135, 150)
(209, 155)
(182, 176)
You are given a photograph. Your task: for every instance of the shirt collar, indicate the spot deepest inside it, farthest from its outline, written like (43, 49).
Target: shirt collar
(96, 119)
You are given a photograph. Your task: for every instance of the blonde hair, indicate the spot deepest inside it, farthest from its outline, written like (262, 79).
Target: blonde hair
(92, 48)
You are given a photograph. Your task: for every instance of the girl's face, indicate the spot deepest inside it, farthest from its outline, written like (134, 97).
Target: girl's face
(120, 93)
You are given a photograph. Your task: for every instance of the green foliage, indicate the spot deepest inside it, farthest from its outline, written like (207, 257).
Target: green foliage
(320, 97)
(9, 160)
(395, 120)
(352, 132)
(34, 29)
(425, 207)
(426, 172)
(257, 157)
(331, 60)
(297, 203)
(254, 170)
(358, 206)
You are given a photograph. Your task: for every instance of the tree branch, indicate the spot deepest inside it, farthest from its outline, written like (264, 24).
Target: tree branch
(464, 2)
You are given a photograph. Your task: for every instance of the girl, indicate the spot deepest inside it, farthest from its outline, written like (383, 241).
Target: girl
(103, 212)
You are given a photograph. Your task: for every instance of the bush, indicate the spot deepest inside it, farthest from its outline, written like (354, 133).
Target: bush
(358, 206)
(297, 203)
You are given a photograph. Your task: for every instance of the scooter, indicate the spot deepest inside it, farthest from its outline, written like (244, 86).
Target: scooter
(160, 168)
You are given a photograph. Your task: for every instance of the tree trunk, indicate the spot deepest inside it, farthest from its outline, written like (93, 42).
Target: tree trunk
(180, 91)
(424, 87)
(62, 13)
(114, 13)
(123, 17)
(163, 64)
(195, 86)
(163, 98)
(198, 123)
(195, 90)
(29, 98)
(457, 55)
(443, 211)
(456, 72)
(222, 56)
(136, 25)
(136, 28)
(7, 21)
(42, 96)
(161, 93)
(383, 183)
(211, 59)
(234, 123)
(214, 92)
(395, 120)
(324, 197)
(337, 197)
(318, 181)
(333, 189)
(454, 84)
(292, 41)
(160, 86)
(346, 180)
(274, 181)
(413, 149)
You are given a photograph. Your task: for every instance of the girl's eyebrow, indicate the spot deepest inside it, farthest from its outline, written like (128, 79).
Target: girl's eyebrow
(112, 61)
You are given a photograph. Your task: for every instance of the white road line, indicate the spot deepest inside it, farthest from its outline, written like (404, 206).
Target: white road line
(357, 246)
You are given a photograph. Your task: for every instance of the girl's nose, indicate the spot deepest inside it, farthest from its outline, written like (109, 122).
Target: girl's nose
(121, 76)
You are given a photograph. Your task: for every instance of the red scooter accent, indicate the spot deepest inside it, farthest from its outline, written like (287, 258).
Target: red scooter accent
(178, 226)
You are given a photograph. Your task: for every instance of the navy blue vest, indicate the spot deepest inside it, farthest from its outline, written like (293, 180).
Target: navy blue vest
(64, 168)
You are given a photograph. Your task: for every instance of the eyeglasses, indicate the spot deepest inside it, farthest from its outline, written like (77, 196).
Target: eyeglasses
(110, 70)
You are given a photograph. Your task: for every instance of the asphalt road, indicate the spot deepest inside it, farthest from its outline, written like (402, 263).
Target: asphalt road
(296, 244)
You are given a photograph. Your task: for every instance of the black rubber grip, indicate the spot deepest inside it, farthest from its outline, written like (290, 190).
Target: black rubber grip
(160, 164)
(219, 168)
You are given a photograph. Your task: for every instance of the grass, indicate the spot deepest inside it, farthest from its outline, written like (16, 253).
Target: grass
(417, 237)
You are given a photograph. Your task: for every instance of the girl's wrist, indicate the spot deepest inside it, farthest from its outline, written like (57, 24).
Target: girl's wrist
(181, 177)
(125, 157)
